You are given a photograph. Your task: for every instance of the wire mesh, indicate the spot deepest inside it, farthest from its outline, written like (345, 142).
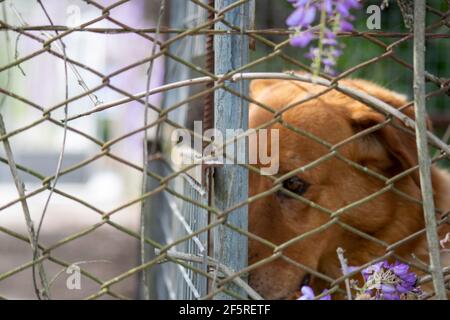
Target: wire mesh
(193, 232)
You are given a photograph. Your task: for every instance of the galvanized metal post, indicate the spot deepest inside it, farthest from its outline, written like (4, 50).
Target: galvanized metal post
(422, 146)
(231, 112)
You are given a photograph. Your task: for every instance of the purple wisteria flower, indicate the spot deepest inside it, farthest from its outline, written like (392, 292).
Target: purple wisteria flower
(334, 16)
(308, 294)
(382, 281)
(385, 281)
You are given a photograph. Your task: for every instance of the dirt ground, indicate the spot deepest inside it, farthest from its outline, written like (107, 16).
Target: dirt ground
(105, 252)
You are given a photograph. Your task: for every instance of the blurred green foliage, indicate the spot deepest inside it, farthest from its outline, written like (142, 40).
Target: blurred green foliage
(386, 72)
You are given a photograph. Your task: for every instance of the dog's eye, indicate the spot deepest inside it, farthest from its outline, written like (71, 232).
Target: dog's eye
(296, 185)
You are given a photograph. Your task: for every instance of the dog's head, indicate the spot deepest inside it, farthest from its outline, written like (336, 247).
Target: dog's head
(316, 136)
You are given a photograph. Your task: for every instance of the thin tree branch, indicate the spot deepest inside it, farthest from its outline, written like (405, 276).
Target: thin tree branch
(422, 147)
(26, 211)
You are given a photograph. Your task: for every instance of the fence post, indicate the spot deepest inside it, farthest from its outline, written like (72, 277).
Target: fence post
(231, 112)
(422, 146)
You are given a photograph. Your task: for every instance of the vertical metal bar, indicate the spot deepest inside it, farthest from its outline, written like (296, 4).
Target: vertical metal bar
(208, 120)
(231, 112)
(208, 110)
(422, 146)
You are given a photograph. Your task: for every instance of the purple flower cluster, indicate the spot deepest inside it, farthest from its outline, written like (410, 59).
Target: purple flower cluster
(384, 281)
(308, 294)
(334, 17)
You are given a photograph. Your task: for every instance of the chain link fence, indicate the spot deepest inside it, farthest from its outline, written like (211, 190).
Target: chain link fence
(194, 238)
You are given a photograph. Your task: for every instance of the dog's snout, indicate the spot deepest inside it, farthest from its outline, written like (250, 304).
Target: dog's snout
(306, 280)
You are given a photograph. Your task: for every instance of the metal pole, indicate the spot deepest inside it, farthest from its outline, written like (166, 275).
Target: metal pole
(231, 112)
(422, 147)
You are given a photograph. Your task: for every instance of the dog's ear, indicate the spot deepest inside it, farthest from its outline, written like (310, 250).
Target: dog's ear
(391, 147)
(258, 85)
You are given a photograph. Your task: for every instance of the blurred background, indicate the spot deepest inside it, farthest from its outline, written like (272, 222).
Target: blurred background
(106, 184)
(103, 183)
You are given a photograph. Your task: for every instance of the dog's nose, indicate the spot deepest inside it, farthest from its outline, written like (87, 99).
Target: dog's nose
(306, 280)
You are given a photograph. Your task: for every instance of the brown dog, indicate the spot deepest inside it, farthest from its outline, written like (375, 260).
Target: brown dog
(333, 184)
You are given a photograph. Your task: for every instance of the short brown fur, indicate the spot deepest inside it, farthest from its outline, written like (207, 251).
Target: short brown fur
(334, 184)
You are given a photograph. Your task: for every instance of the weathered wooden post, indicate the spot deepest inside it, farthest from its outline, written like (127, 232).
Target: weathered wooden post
(422, 146)
(231, 112)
